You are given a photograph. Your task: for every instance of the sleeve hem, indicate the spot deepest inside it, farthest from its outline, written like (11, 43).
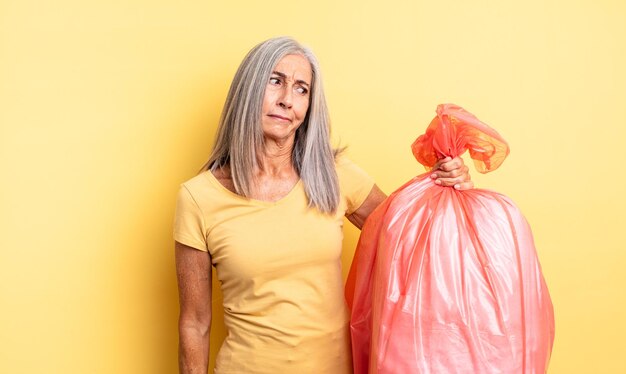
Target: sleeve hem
(190, 242)
(361, 199)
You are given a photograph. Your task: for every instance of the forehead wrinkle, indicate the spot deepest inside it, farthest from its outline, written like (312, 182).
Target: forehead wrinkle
(284, 76)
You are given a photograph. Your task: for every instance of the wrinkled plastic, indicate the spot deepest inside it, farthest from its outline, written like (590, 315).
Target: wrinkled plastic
(447, 281)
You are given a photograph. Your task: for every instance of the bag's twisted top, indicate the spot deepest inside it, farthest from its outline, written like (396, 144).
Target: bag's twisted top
(455, 130)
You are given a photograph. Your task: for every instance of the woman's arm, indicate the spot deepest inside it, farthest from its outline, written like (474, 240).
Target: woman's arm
(449, 172)
(193, 270)
(374, 199)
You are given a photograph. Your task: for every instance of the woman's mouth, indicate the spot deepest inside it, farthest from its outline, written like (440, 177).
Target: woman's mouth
(280, 118)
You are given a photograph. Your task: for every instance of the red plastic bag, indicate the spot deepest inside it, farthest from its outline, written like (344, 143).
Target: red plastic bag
(447, 281)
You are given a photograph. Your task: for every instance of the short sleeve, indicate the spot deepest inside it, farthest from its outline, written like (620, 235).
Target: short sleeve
(189, 228)
(354, 182)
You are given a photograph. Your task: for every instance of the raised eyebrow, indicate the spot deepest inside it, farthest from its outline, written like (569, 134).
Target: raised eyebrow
(284, 76)
(303, 82)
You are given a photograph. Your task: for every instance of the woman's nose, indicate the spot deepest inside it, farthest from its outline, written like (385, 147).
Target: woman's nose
(285, 99)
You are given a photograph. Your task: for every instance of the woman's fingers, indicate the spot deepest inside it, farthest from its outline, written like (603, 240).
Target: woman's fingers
(449, 182)
(462, 172)
(460, 183)
(449, 164)
(437, 165)
(464, 186)
(452, 172)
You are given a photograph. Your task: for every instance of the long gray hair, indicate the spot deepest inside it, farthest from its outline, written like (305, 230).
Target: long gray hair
(239, 142)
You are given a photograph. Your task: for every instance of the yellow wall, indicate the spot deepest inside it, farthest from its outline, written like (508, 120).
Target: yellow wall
(106, 106)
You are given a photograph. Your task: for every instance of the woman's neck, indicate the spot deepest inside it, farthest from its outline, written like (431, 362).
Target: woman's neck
(277, 159)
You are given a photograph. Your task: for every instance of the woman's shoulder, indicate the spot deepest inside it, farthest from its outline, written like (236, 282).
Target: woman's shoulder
(355, 184)
(202, 200)
(206, 188)
(348, 169)
(223, 177)
(342, 159)
(198, 182)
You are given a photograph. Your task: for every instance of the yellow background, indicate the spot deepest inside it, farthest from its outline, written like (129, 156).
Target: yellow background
(107, 106)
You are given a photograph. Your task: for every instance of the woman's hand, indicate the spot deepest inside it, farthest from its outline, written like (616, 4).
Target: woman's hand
(452, 172)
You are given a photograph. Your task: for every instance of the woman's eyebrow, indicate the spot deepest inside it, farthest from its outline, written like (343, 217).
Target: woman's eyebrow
(284, 76)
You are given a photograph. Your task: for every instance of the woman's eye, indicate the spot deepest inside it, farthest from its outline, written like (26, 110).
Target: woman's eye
(302, 90)
(274, 81)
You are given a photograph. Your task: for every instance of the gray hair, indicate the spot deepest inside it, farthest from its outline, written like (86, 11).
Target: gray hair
(239, 142)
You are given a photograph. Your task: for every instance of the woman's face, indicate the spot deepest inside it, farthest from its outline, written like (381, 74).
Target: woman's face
(286, 99)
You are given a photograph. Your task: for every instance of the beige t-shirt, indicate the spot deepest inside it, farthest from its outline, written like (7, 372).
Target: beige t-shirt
(279, 265)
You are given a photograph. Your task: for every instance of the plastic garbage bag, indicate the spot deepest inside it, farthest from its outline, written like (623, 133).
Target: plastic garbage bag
(447, 281)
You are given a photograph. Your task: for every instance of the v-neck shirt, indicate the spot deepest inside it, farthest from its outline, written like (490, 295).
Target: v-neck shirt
(279, 266)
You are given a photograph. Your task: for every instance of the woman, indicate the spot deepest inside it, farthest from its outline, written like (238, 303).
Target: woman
(267, 212)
